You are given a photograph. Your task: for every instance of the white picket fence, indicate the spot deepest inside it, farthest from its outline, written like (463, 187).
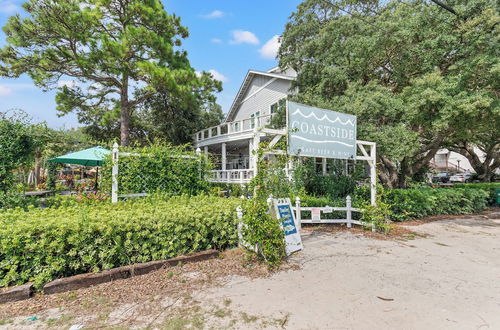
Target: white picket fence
(315, 218)
(316, 213)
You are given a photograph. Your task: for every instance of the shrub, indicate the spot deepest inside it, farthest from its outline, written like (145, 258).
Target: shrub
(489, 187)
(263, 229)
(407, 204)
(14, 199)
(378, 215)
(41, 245)
(159, 168)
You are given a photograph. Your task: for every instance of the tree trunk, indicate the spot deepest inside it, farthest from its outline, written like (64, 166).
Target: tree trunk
(484, 169)
(124, 114)
(387, 173)
(38, 162)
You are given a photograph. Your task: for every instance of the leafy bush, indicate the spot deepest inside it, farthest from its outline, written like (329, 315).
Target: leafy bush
(17, 144)
(159, 168)
(335, 184)
(378, 214)
(15, 199)
(263, 229)
(41, 245)
(489, 187)
(407, 204)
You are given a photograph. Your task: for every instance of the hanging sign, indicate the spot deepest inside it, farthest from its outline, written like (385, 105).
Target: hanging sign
(284, 212)
(315, 132)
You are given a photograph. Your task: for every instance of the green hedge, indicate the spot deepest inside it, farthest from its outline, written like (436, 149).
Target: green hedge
(407, 204)
(158, 168)
(489, 187)
(41, 245)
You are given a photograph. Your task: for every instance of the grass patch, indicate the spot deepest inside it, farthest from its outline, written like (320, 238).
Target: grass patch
(60, 321)
(6, 321)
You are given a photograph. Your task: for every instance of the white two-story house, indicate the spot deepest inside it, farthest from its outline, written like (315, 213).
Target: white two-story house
(231, 144)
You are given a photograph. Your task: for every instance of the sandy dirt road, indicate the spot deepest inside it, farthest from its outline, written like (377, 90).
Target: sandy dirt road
(447, 276)
(449, 279)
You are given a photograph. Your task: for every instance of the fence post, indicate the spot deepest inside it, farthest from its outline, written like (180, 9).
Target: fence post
(114, 175)
(373, 174)
(349, 211)
(198, 153)
(298, 216)
(239, 213)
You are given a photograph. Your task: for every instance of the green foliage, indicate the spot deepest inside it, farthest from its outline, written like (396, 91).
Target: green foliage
(336, 183)
(488, 187)
(261, 227)
(41, 245)
(158, 168)
(15, 199)
(416, 76)
(263, 230)
(174, 119)
(378, 215)
(278, 120)
(407, 204)
(51, 176)
(17, 144)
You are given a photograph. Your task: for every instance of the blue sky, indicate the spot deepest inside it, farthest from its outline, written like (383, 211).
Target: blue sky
(227, 37)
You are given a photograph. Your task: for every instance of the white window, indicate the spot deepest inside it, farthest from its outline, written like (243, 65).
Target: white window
(254, 116)
(275, 107)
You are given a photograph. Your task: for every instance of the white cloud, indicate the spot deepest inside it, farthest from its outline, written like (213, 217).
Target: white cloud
(10, 89)
(8, 7)
(270, 48)
(243, 37)
(4, 90)
(219, 76)
(214, 14)
(216, 40)
(67, 83)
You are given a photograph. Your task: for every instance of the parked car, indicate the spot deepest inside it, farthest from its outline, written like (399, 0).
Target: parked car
(443, 177)
(464, 177)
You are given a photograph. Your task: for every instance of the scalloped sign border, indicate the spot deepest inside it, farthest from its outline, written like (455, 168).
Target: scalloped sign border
(315, 132)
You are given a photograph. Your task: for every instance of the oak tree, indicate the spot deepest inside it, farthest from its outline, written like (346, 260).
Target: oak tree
(418, 76)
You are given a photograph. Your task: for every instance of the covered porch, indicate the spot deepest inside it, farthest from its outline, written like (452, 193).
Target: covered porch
(232, 160)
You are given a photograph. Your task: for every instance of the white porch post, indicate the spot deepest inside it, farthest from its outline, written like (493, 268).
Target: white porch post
(255, 145)
(250, 154)
(205, 148)
(223, 165)
(323, 165)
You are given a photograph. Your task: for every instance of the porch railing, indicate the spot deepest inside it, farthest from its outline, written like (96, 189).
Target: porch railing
(231, 176)
(245, 125)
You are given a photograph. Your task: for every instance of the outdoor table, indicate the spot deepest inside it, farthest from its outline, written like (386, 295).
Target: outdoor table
(42, 193)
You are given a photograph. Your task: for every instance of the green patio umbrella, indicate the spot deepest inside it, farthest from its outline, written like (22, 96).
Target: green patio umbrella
(89, 157)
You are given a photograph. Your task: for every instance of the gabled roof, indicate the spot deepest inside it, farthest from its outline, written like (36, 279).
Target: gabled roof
(246, 83)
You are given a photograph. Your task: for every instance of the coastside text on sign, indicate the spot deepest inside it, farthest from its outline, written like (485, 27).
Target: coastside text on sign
(315, 132)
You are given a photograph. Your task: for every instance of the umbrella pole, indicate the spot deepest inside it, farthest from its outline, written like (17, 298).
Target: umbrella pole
(96, 178)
